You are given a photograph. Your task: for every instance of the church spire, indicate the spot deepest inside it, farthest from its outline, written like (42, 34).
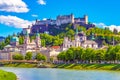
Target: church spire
(76, 31)
(92, 36)
(37, 34)
(27, 34)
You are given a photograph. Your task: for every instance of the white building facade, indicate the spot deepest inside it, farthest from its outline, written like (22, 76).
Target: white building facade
(79, 41)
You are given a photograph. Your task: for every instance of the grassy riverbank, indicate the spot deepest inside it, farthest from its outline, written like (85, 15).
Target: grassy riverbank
(21, 65)
(67, 66)
(90, 66)
(29, 65)
(7, 75)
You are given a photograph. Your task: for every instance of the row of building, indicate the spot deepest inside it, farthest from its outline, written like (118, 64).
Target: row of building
(42, 26)
(34, 46)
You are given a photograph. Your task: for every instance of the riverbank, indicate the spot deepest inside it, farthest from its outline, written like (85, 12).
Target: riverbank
(7, 75)
(115, 67)
(30, 65)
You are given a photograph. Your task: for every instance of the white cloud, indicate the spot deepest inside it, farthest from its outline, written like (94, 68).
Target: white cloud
(42, 2)
(34, 15)
(101, 25)
(44, 19)
(17, 6)
(14, 21)
(111, 27)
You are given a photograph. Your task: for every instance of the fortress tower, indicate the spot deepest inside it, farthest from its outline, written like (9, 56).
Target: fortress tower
(72, 18)
(86, 19)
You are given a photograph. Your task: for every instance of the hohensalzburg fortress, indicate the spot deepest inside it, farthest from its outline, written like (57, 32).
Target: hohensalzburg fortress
(63, 19)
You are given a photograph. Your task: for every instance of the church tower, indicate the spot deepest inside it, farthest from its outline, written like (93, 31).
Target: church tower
(77, 39)
(14, 41)
(27, 39)
(92, 36)
(38, 41)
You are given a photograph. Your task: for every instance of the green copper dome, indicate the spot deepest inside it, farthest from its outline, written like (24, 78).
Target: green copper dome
(37, 34)
(76, 31)
(14, 39)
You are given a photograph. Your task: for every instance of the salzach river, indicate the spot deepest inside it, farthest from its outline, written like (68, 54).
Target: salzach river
(62, 74)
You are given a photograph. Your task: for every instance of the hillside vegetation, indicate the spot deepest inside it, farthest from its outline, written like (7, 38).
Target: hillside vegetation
(104, 36)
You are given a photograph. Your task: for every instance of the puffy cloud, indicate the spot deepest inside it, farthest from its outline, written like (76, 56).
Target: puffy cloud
(101, 25)
(13, 6)
(41, 2)
(44, 19)
(34, 15)
(111, 27)
(14, 21)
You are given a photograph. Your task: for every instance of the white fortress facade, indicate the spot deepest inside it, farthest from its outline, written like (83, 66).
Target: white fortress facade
(63, 19)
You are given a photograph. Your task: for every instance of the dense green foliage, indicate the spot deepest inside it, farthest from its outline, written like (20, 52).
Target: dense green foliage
(7, 75)
(28, 56)
(40, 57)
(18, 56)
(110, 55)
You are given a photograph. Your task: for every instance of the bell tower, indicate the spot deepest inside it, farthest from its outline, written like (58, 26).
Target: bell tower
(38, 40)
(27, 39)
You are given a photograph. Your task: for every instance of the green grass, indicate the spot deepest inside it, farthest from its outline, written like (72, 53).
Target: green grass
(29, 65)
(7, 75)
(21, 65)
(68, 66)
(90, 66)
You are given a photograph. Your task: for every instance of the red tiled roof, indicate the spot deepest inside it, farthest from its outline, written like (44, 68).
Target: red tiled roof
(55, 47)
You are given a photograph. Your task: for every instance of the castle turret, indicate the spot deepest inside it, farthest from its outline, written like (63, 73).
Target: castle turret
(72, 18)
(86, 19)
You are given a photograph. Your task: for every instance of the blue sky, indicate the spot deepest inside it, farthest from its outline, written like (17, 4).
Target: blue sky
(15, 14)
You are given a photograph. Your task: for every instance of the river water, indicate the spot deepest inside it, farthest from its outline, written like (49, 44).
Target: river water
(62, 74)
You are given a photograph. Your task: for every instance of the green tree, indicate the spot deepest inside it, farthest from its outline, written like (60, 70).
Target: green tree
(40, 57)
(28, 56)
(18, 56)
(21, 40)
(61, 56)
(69, 56)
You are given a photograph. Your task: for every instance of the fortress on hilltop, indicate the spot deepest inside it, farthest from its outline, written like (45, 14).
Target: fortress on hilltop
(43, 26)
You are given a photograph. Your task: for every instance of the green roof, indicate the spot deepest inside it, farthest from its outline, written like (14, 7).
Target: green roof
(76, 30)
(14, 39)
